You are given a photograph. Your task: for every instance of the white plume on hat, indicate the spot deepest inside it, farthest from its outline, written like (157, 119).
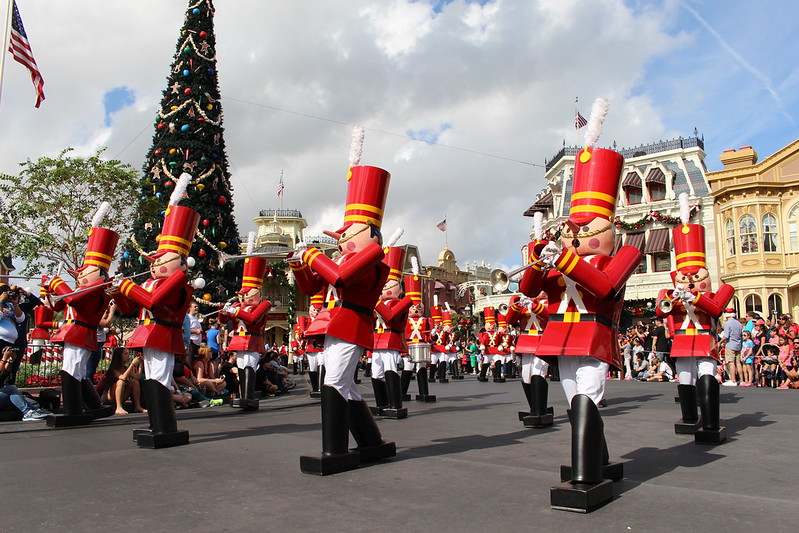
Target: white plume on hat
(102, 211)
(685, 208)
(356, 145)
(250, 242)
(538, 225)
(599, 111)
(415, 265)
(180, 188)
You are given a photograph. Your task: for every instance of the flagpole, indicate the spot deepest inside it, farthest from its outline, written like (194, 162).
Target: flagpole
(576, 113)
(4, 50)
(446, 228)
(282, 191)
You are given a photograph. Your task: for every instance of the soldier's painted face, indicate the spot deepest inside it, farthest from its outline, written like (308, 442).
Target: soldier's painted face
(313, 311)
(490, 327)
(166, 265)
(696, 282)
(89, 276)
(595, 237)
(391, 290)
(416, 310)
(355, 238)
(251, 297)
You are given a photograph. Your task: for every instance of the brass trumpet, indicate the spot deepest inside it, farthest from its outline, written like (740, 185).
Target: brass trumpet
(667, 303)
(500, 279)
(59, 297)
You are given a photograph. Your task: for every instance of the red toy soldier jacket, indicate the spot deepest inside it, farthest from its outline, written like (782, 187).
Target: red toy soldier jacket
(585, 299)
(355, 282)
(163, 303)
(43, 322)
(693, 327)
(417, 330)
(390, 324)
(82, 314)
(531, 325)
(249, 323)
(493, 342)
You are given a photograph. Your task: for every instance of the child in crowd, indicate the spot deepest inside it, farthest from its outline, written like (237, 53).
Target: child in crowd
(747, 359)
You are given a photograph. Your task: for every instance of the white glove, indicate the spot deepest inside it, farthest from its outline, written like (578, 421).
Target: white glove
(228, 309)
(296, 256)
(688, 297)
(524, 301)
(116, 282)
(677, 293)
(550, 254)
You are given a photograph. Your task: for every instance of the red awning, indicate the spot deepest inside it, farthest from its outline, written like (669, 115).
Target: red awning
(658, 241)
(438, 285)
(656, 176)
(632, 179)
(542, 204)
(635, 239)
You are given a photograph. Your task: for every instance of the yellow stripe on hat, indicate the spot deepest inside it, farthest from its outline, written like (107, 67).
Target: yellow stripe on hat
(591, 209)
(690, 254)
(363, 207)
(176, 238)
(363, 218)
(99, 255)
(594, 195)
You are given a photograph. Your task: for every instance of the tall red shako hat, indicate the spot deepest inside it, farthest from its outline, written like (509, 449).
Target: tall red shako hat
(301, 325)
(435, 314)
(501, 321)
(318, 300)
(367, 188)
(101, 245)
(489, 314)
(395, 259)
(446, 318)
(689, 241)
(180, 224)
(597, 174)
(254, 269)
(413, 283)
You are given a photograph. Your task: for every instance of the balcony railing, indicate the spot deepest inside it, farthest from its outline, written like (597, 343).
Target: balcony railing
(293, 213)
(644, 149)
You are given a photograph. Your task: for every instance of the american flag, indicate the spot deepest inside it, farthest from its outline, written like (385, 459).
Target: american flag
(280, 188)
(442, 225)
(20, 49)
(579, 121)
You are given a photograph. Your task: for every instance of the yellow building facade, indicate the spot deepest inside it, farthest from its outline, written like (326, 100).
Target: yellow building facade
(756, 212)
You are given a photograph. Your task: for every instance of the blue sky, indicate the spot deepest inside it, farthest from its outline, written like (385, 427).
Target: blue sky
(461, 100)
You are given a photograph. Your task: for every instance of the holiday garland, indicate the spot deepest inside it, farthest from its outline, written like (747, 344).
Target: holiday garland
(653, 216)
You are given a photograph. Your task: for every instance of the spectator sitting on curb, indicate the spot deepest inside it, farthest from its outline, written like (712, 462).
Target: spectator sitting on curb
(660, 371)
(10, 395)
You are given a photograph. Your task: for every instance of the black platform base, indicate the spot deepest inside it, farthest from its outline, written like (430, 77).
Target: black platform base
(395, 414)
(499, 380)
(610, 471)
(482, 380)
(406, 397)
(426, 398)
(376, 411)
(324, 465)
(524, 414)
(456, 377)
(148, 439)
(316, 394)
(443, 380)
(580, 497)
(100, 412)
(687, 428)
(247, 405)
(377, 452)
(68, 421)
(703, 436)
(532, 421)
(140, 431)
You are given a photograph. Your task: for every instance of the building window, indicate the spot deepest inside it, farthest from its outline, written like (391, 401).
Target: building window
(729, 229)
(793, 228)
(769, 233)
(775, 304)
(635, 195)
(754, 304)
(642, 269)
(662, 261)
(657, 191)
(747, 228)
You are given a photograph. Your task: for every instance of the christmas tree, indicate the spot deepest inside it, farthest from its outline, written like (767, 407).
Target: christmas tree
(189, 138)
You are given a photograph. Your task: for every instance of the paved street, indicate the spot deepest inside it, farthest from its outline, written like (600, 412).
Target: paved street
(464, 463)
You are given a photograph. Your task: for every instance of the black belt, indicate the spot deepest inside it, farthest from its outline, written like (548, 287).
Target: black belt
(81, 323)
(354, 307)
(387, 330)
(247, 334)
(159, 322)
(693, 332)
(584, 317)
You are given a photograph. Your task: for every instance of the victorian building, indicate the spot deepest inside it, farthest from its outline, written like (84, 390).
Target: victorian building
(757, 228)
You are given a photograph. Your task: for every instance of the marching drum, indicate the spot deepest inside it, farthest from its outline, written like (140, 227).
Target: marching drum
(419, 352)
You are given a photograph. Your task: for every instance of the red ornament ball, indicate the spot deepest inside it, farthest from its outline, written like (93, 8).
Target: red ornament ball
(203, 34)
(202, 254)
(168, 184)
(221, 200)
(158, 151)
(206, 222)
(161, 125)
(187, 91)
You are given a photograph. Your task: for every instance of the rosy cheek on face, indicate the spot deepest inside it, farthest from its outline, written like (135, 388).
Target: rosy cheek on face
(703, 286)
(163, 269)
(593, 244)
(350, 246)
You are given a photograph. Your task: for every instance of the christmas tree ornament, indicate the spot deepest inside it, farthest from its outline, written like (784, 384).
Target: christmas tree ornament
(190, 262)
(184, 128)
(186, 73)
(198, 283)
(200, 187)
(203, 35)
(202, 253)
(172, 151)
(221, 200)
(206, 222)
(207, 297)
(222, 244)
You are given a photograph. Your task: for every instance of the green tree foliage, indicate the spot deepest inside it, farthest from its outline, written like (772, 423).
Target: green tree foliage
(189, 137)
(48, 207)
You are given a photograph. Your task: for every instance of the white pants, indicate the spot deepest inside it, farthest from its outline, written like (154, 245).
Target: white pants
(383, 361)
(407, 364)
(435, 357)
(341, 359)
(692, 368)
(158, 365)
(498, 357)
(247, 359)
(583, 375)
(532, 366)
(75, 359)
(313, 361)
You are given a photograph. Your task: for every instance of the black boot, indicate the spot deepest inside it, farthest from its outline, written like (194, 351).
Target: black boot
(246, 399)
(540, 416)
(405, 382)
(433, 370)
(294, 368)
(336, 456)
(317, 393)
(586, 490)
(611, 471)
(72, 404)
(455, 370)
(528, 396)
(395, 409)
(498, 373)
(707, 390)
(313, 377)
(381, 396)
(355, 378)
(483, 372)
(442, 372)
(163, 423)
(92, 402)
(424, 391)
(367, 371)
(689, 423)
(371, 446)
